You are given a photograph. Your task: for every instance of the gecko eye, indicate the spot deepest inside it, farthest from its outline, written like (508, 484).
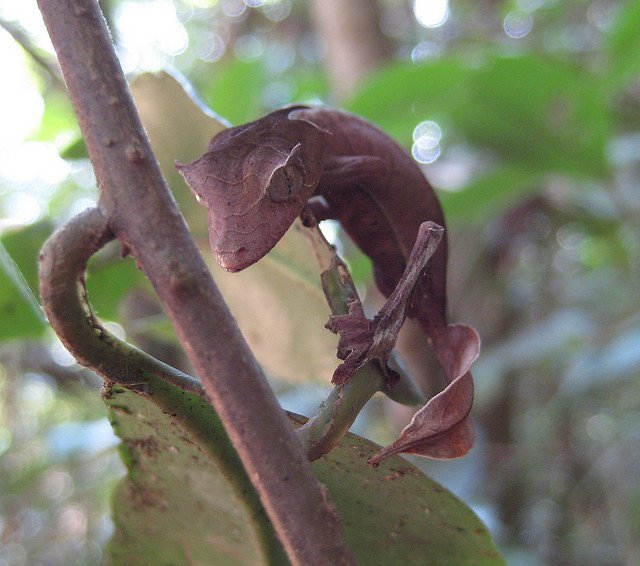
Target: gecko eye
(285, 183)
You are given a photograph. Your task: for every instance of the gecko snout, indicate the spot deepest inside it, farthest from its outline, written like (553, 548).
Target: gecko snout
(234, 260)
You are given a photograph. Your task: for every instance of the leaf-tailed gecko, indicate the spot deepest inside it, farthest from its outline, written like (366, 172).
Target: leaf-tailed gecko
(256, 178)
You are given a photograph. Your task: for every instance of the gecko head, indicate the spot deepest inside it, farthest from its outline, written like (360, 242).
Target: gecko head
(240, 241)
(255, 180)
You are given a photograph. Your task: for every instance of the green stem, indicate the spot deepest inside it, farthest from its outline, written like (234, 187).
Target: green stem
(338, 412)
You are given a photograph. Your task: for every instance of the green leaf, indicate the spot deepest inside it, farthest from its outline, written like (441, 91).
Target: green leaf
(623, 47)
(20, 314)
(235, 90)
(109, 279)
(77, 149)
(23, 245)
(309, 86)
(537, 111)
(58, 117)
(540, 112)
(485, 197)
(177, 506)
(179, 129)
(402, 95)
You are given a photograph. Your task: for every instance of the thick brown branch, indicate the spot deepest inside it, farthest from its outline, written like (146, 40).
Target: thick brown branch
(143, 216)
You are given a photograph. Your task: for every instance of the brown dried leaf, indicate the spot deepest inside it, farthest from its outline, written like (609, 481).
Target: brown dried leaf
(356, 337)
(442, 428)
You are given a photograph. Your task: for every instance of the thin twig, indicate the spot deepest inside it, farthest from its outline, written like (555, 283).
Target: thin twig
(63, 262)
(337, 413)
(322, 432)
(23, 40)
(142, 214)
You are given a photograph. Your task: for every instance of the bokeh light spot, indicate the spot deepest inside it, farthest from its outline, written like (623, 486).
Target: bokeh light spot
(426, 142)
(518, 24)
(431, 13)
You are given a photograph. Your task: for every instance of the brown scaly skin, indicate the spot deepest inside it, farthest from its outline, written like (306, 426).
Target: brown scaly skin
(257, 178)
(371, 185)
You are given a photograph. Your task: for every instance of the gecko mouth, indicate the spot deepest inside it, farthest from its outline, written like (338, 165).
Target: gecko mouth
(233, 260)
